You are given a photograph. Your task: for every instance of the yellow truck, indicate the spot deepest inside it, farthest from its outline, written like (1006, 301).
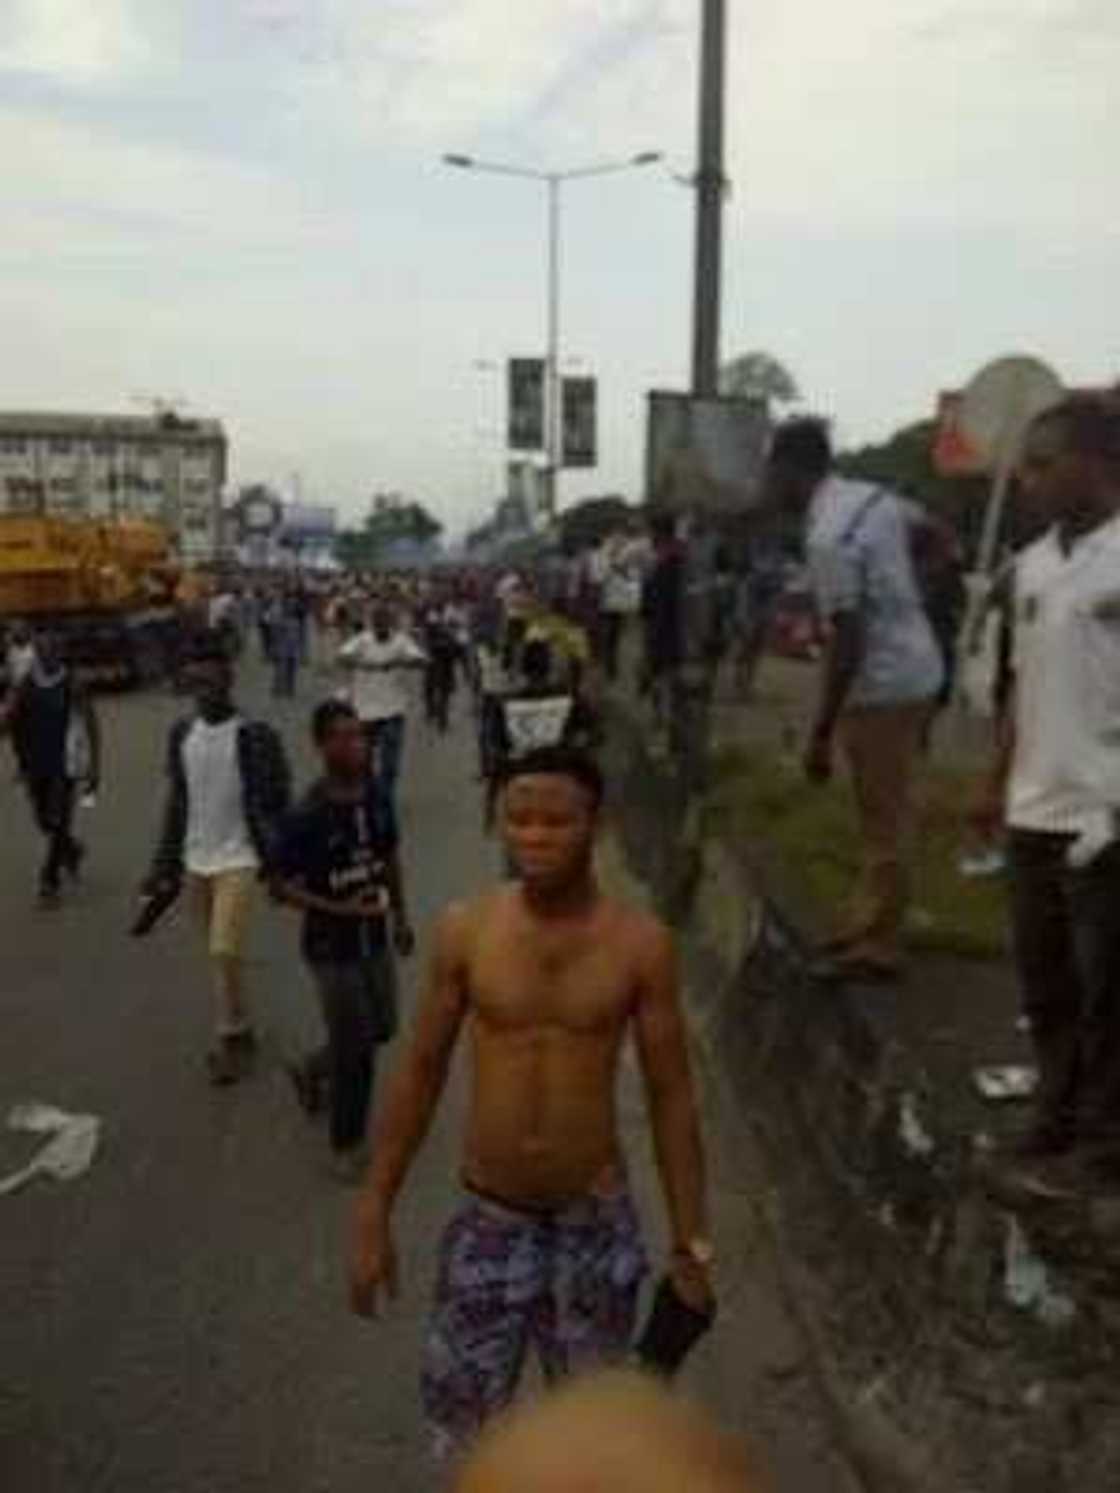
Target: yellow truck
(106, 587)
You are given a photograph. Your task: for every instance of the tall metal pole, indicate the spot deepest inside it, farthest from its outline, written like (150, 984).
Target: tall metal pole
(554, 454)
(710, 185)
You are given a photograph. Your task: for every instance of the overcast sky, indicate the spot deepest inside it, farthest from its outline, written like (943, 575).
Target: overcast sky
(240, 202)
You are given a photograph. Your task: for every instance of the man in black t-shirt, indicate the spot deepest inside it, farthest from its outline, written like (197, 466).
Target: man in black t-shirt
(56, 742)
(338, 863)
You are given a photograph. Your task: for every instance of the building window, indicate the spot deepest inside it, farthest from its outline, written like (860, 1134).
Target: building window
(13, 445)
(61, 447)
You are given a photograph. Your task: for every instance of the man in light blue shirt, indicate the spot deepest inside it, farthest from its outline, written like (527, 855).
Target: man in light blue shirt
(882, 671)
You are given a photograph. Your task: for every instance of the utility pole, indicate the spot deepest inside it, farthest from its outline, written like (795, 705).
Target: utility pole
(711, 183)
(554, 388)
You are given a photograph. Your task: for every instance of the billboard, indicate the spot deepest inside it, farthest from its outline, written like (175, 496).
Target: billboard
(580, 423)
(526, 404)
(705, 453)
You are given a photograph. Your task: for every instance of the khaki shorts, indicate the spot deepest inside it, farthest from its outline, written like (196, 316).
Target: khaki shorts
(223, 902)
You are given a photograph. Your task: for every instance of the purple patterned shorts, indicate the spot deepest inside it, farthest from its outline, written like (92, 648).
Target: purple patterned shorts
(565, 1284)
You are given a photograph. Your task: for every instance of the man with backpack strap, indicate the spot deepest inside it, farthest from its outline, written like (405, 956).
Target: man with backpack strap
(882, 672)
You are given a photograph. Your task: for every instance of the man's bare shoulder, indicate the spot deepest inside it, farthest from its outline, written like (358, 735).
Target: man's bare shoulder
(643, 934)
(465, 920)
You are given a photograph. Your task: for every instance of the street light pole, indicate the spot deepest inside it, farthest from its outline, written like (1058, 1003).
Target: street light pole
(710, 187)
(554, 400)
(554, 388)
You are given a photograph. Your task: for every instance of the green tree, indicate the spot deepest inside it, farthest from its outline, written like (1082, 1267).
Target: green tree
(759, 375)
(390, 520)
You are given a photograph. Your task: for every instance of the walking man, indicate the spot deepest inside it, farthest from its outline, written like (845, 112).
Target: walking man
(551, 977)
(1056, 783)
(228, 791)
(57, 746)
(338, 864)
(882, 671)
(376, 659)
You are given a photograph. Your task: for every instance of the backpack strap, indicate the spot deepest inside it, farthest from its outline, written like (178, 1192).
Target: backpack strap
(861, 515)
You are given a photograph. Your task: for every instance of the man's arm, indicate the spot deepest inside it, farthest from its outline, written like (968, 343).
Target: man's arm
(410, 1106)
(667, 1071)
(167, 863)
(93, 736)
(839, 669)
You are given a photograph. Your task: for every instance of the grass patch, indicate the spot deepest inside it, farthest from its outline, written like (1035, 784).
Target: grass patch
(761, 797)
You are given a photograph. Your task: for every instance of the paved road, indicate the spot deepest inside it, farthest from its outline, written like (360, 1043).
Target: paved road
(176, 1319)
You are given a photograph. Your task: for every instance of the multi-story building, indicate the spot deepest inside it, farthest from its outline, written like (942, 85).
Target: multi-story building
(164, 467)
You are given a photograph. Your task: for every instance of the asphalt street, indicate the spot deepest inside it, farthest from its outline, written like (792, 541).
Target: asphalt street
(176, 1318)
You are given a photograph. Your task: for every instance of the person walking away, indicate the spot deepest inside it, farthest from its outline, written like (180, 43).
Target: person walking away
(620, 599)
(441, 648)
(375, 660)
(882, 671)
(19, 657)
(57, 745)
(663, 617)
(549, 976)
(286, 641)
(338, 864)
(1056, 784)
(760, 591)
(228, 792)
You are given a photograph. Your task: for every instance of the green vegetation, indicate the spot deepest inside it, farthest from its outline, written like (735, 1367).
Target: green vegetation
(761, 798)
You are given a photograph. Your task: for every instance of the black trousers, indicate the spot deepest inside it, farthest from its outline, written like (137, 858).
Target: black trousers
(611, 625)
(52, 802)
(1067, 949)
(359, 1003)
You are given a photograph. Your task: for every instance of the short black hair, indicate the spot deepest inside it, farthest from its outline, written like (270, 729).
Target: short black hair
(536, 659)
(803, 444)
(1089, 423)
(557, 762)
(326, 716)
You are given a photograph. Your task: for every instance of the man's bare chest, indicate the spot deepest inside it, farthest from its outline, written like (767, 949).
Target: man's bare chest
(583, 986)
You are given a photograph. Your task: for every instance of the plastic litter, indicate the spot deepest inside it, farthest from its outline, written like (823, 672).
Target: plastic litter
(982, 864)
(1003, 1083)
(67, 1155)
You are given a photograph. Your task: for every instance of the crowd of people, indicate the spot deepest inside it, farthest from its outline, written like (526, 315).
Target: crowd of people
(545, 972)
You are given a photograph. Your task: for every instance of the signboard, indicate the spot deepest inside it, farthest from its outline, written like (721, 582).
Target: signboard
(705, 453)
(580, 422)
(526, 404)
(955, 454)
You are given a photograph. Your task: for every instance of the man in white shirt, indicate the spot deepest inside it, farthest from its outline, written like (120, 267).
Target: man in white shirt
(376, 660)
(620, 597)
(1056, 781)
(228, 792)
(882, 671)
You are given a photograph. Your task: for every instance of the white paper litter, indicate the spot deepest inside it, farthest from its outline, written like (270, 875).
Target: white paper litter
(67, 1155)
(1005, 1082)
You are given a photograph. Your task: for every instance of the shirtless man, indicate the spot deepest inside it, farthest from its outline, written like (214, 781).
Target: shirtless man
(545, 1251)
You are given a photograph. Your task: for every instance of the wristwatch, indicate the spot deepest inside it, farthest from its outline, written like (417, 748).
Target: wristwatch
(700, 1252)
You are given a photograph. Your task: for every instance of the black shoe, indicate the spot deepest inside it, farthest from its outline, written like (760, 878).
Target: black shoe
(245, 1049)
(308, 1089)
(223, 1064)
(49, 895)
(74, 862)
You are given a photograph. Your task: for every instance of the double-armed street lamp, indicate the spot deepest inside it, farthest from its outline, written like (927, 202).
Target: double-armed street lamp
(553, 182)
